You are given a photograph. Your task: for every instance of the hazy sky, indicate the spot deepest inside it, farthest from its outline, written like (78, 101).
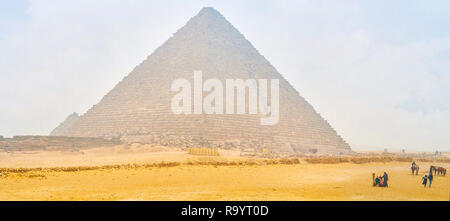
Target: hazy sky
(378, 71)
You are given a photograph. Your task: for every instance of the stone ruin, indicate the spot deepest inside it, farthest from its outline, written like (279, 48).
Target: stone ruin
(138, 108)
(29, 143)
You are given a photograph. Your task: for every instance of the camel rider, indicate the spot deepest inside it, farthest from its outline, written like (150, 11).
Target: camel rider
(413, 164)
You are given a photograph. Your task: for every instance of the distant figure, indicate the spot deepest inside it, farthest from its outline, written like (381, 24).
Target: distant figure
(430, 178)
(425, 178)
(414, 168)
(385, 179)
(373, 179)
(377, 181)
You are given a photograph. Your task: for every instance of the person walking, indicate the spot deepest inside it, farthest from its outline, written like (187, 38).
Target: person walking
(425, 178)
(430, 178)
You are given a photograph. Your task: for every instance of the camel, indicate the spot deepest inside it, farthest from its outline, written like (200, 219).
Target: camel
(441, 170)
(433, 169)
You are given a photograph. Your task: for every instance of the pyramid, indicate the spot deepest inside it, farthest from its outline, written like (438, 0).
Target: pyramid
(65, 125)
(138, 108)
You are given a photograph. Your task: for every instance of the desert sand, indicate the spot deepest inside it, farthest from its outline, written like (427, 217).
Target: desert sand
(149, 176)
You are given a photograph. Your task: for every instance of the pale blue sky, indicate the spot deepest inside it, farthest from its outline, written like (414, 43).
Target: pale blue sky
(378, 71)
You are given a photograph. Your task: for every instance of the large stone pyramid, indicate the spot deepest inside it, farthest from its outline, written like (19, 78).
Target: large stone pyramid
(138, 109)
(63, 127)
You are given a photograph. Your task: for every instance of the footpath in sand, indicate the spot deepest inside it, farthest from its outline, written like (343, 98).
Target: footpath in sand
(182, 181)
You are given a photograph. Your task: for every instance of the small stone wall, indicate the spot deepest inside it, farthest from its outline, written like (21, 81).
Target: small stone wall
(54, 143)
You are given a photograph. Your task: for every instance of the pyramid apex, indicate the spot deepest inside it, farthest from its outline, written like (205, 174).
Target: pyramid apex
(208, 20)
(209, 11)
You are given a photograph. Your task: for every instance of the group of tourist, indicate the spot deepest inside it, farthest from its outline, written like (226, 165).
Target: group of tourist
(428, 178)
(380, 181)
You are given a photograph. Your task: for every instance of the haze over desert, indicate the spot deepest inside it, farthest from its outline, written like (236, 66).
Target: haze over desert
(144, 172)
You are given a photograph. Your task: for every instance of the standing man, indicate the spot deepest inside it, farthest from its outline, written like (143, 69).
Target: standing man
(385, 178)
(430, 178)
(373, 179)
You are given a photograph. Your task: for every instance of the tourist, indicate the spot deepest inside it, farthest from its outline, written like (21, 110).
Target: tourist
(385, 178)
(373, 180)
(377, 181)
(425, 178)
(430, 178)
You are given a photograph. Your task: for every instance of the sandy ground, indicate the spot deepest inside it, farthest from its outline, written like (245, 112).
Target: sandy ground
(91, 157)
(302, 181)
